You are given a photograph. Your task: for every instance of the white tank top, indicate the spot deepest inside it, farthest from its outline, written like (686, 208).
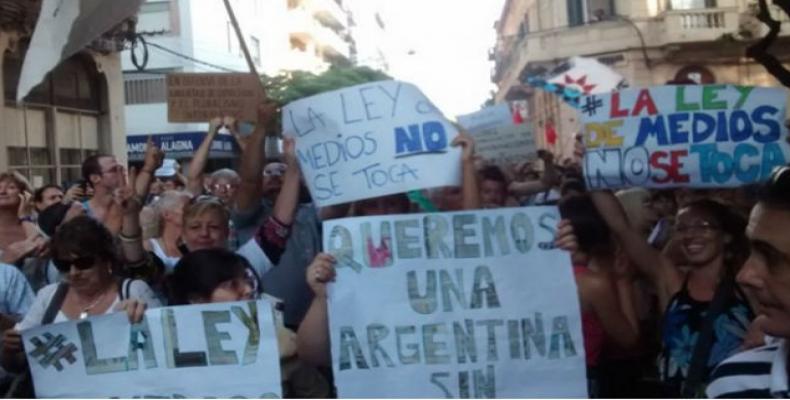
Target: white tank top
(169, 262)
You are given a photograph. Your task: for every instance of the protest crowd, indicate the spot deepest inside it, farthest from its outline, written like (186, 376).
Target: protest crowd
(682, 292)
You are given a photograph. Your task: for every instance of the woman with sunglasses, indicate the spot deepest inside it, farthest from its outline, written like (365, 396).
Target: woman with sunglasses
(91, 286)
(695, 285)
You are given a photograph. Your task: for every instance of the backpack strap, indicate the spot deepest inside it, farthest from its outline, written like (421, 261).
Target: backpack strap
(124, 287)
(55, 303)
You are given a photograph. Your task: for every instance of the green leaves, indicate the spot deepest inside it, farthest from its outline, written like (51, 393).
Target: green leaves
(291, 86)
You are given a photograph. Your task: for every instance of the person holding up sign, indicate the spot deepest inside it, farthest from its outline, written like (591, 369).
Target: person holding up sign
(604, 290)
(91, 287)
(218, 276)
(313, 333)
(697, 294)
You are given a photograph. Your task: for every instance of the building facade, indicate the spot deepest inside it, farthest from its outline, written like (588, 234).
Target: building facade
(77, 111)
(371, 45)
(197, 36)
(649, 42)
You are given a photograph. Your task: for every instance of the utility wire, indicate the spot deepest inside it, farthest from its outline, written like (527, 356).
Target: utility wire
(186, 57)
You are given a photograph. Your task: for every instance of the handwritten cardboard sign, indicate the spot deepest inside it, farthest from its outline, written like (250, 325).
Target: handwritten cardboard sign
(201, 97)
(684, 136)
(475, 304)
(371, 140)
(498, 140)
(221, 350)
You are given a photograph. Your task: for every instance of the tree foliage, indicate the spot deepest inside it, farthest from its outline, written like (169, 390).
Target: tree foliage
(290, 86)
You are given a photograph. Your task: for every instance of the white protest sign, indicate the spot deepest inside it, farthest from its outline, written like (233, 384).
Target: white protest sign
(371, 140)
(219, 350)
(498, 139)
(684, 136)
(464, 304)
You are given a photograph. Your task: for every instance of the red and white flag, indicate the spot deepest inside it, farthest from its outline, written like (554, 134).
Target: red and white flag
(588, 76)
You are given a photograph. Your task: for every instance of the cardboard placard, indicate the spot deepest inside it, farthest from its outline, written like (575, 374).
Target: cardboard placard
(201, 97)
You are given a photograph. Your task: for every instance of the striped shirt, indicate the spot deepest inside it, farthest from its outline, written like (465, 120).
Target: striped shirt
(755, 373)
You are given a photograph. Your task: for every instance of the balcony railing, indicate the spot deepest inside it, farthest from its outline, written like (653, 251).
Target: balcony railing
(697, 20)
(302, 24)
(328, 11)
(699, 25)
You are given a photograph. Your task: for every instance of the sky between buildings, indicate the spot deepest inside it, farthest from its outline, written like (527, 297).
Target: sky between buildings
(442, 47)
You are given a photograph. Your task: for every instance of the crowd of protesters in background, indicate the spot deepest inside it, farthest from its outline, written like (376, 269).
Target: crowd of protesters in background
(671, 283)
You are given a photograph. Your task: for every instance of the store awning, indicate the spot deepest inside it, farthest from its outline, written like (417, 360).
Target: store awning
(181, 145)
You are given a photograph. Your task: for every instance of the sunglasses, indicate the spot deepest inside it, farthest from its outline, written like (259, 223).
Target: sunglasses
(205, 198)
(275, 170)
(81, 263)
(780, 176)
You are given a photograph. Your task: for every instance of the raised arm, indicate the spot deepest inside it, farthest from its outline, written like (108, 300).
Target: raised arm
(550, 178)
(252, 158)
(469, 186)
(288, 198)
(198, 164)
(312, 338)
(130, 198)
(649, 261)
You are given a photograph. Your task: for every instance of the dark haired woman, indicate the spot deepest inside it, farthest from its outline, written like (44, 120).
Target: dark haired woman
(219, 275)
(701, 302)
(90, 288)
(607, 311)
(210, 276)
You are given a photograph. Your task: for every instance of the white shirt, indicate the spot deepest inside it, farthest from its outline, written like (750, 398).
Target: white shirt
(138, 290)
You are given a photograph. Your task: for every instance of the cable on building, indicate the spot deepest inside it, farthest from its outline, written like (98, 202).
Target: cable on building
(139, 42)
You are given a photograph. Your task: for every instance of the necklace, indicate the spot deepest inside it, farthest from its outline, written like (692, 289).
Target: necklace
(84, 312)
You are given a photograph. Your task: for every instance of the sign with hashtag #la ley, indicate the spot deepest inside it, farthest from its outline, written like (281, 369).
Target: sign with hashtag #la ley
(212, 350)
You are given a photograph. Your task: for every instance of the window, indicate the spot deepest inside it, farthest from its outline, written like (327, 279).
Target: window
(60, 121)
(154, 7)
(575, 12)
(145, 89)
(255, 49)
(154, 16)
(600, 10)
(297, 44)
(523, 27)
(690, 4)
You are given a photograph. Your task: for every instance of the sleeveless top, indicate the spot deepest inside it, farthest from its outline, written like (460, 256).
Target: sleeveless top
(167, 261)
(681, 326)
(592, 329)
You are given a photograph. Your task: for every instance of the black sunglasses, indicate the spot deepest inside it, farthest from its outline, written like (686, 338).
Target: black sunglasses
(780, 176)
(81, 263)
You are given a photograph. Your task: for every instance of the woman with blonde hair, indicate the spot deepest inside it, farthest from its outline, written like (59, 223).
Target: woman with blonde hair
(14, 194)
(168, 215)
